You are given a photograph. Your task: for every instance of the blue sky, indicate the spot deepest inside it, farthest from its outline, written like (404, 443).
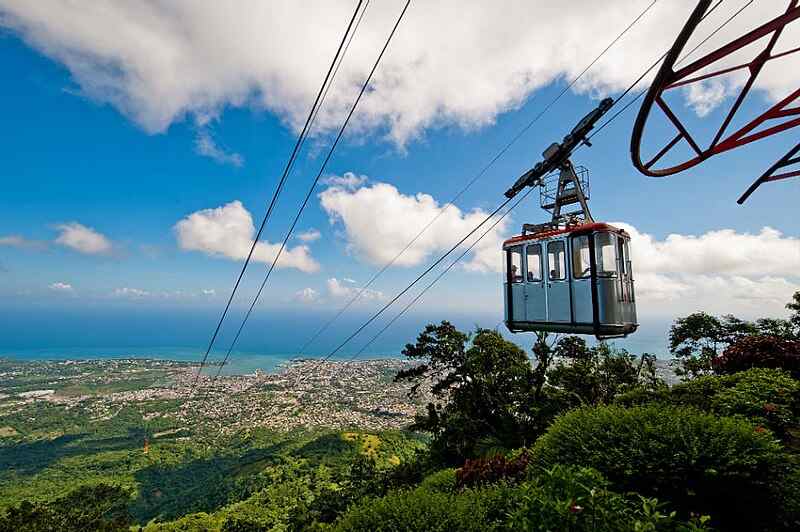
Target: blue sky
(76, 152)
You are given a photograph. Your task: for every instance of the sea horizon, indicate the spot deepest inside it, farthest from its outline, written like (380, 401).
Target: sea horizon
(239, 363)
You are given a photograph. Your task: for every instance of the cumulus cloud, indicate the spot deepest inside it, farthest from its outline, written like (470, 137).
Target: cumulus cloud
(378, 239)
(311, 235)
(306, 295)
(205, 145)
(228, 232)
(720, 271)
(60, 287)
(83, 239)
(338, 290)
(159, 62)
(724, 251)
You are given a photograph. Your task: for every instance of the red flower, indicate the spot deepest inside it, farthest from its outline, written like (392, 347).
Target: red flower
(760, 429)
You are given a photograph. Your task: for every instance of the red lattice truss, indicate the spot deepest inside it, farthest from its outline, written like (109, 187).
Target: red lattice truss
(668, 78)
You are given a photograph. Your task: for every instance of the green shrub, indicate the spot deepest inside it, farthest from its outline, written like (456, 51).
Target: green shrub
(641, 396)
(787, 493)
(443, 481)
(573, 498)
(702, 463)
(768, 397)
(563, 498)
(423, 510)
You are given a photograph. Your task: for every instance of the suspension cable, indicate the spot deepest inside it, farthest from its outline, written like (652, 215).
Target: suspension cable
(281, 182)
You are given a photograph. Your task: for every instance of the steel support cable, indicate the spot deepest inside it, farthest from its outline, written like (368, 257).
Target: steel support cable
(469, 184)
(286, 171)
(314, 185)
(341, 59)
(504, 203)
(310, 126)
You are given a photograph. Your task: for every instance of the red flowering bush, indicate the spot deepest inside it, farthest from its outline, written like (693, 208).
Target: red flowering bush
(759, 351)
(484, 471)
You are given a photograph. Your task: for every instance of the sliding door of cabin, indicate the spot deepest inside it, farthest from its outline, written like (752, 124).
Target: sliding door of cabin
(557, 286)
(535, 295)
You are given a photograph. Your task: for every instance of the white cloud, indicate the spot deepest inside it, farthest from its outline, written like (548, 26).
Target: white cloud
(724, 251)
(348, 180)
(83, 239)
(18, 241)
(205, 145)
(208, 292)
(61, 287)
(720, 271)
(337, 290)
(378, 239)
(228, 232)
(704, 97)
(306, 295)
(311, 235)
(133, 293)
(158, 62)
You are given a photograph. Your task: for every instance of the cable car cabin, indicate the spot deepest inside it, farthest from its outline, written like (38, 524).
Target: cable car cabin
(575, 280)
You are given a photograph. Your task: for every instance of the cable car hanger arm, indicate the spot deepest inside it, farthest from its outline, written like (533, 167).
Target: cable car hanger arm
(558, 154)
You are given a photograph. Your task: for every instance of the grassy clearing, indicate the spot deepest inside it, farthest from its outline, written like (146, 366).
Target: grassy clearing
(370, 443)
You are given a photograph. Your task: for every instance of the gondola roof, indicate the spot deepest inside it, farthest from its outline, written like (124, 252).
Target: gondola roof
(570, 229)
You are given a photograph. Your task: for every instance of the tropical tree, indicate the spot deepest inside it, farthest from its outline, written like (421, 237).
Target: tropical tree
(794, 306)
(482, 383)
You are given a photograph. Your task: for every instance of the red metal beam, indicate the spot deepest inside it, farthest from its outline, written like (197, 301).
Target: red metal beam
(668, 78)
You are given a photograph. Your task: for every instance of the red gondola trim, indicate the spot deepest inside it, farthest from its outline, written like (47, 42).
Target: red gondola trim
(573, 229)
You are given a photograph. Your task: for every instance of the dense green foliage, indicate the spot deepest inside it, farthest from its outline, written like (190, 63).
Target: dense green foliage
(700, 462)
(177, 478)
(768, 397)
(591, 376)
(100, 507)
(563, 498)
